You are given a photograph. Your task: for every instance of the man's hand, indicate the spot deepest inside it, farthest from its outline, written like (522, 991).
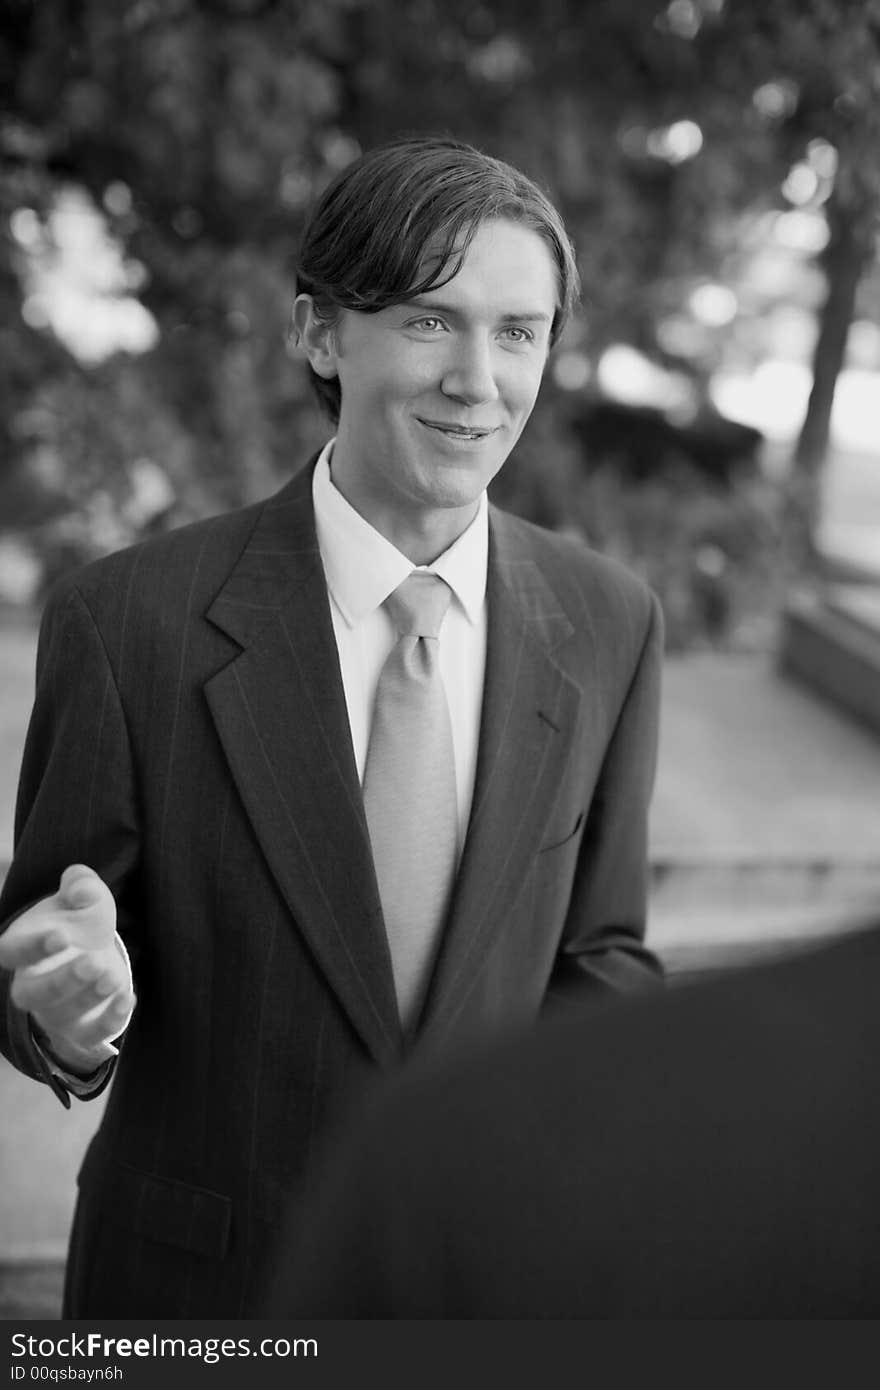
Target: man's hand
(69, 971)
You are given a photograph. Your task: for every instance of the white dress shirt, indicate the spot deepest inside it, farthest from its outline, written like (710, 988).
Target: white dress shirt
(362, 568)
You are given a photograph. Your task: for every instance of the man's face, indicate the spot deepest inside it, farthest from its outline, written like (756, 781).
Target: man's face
(436, 391)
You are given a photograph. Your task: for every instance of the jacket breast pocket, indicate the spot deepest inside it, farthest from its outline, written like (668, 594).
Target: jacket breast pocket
(559, 841)
(553, 870)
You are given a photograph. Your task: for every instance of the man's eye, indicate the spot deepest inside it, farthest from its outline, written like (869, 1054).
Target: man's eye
(430, 323)
(520, 335)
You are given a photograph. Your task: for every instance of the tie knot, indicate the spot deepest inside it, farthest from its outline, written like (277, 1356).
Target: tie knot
(418, 605)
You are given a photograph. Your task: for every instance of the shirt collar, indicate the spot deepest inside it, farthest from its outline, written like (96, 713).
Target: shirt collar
(363, 568)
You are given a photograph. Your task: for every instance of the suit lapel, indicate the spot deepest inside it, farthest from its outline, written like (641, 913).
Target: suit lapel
(280, 712)
(530, 709)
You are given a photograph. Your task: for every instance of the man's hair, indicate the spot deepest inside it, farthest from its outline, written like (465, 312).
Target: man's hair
(399, 221)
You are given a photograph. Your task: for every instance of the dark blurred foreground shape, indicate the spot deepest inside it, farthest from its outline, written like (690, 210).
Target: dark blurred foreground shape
(710, 1153)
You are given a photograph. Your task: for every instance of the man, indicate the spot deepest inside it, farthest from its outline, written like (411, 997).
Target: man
(363, 768)
(710, 1152)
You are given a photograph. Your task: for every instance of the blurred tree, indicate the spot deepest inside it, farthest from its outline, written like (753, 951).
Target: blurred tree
(812, 70)
(200, 130)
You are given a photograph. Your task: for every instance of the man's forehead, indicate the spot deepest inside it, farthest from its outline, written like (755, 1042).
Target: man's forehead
(461, 268)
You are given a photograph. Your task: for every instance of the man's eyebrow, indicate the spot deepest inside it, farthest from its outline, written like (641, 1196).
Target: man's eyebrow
(435, 307)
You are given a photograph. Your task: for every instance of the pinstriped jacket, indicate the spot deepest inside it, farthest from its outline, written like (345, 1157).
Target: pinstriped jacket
(189, 741)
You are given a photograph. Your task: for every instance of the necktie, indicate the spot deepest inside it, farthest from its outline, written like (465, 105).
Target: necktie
(409, 789)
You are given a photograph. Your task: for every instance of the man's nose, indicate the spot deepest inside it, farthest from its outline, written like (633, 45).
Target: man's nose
(470, 375)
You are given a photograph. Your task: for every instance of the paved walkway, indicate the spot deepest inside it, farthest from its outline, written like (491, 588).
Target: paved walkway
(765, 827)
(754, 768)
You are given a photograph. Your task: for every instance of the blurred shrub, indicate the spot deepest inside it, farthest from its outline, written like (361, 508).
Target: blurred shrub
(704, 533)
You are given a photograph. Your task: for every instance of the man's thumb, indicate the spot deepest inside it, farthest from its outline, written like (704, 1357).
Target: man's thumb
(80, 887)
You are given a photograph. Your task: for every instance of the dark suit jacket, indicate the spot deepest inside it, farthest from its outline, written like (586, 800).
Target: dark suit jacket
(190, 742)
(711, 1152)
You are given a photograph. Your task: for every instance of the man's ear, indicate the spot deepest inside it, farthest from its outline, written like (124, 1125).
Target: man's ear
(316, 336)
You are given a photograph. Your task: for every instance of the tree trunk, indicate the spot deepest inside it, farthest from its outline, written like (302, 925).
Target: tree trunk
(846, 258)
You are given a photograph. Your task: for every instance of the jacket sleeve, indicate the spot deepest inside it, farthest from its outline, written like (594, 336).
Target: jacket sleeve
(602, 946)
(76, 797)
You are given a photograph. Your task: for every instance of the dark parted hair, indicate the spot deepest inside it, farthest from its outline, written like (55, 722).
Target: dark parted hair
(399, 220)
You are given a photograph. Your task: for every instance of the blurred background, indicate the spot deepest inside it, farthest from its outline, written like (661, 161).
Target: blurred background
(711, 417)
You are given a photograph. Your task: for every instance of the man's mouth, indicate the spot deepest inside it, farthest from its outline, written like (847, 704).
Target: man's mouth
(459, 431)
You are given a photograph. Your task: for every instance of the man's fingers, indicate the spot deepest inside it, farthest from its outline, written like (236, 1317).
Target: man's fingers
(102, 980)
(82, 913)
(81, 887)
(49, 963)
(27, 942)
(68, 972)
(69, 983)
(77, 1023)
(105, 1017)
(104, 1020)
(38, 990)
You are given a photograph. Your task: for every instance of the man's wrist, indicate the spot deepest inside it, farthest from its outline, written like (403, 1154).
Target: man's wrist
(79, 1061)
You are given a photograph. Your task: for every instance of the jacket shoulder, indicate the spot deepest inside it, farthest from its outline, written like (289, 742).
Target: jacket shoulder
(194, 558)
(578, 574)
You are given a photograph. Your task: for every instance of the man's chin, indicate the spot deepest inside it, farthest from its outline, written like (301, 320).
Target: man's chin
(457, 495)
(458, 481)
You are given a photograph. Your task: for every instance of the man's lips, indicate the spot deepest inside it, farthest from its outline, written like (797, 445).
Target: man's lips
(464, 431)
